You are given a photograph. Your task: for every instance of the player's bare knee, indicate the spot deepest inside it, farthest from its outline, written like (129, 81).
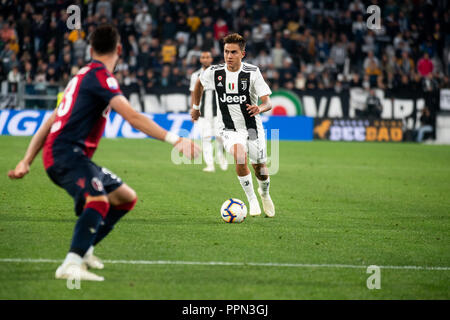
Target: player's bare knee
(240, 159)
(125, 199)
(132, 196)
(261, 171)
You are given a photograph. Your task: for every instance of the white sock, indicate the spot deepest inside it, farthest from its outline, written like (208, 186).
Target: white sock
(264, 185)
(90, 252)
(247, 185)
(73, 258)
(219, 151)
(207, 151)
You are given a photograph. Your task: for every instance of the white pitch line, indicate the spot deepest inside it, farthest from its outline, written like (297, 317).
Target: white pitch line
(241, 264)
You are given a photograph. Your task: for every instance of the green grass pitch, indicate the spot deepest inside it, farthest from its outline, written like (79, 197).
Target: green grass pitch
(355, 204)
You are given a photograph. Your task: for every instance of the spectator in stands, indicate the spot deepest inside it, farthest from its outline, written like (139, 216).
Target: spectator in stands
(28, 74)
(373, 71)
(144, 59)
(426, 124)
(325, 81)
(288, 72)
(263, 60)
(78, 49)
(220, 29)
(424, 65)
(374, 107)
(405, 64)
(193, 20)
(416, 82)
(404, 86)
(339, 54)
(127, 28)
(387, 65)
(143, 20)
(149, 80)
(168, 51)
(330, 67)
(370, 57)
(7, 32)
(359, 28)
(76, 34)
(52, 76)
(193, 55)
(356, 7)
(165, 80)
(169, 29)
(322, 48)
(104, 8)
(355, 81)
(26, 47)
(52, 63)
(311, 81)
(7, 56)
(278, 55)
(14, 76)
(122, 65)
(132, 45)
(39, 31)
(430, 87)
(300, 81)
(209, 43)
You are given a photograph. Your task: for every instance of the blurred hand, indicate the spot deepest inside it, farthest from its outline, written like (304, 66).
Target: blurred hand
(253, 110)
(188, 147)
(20, 171)
(195, 114)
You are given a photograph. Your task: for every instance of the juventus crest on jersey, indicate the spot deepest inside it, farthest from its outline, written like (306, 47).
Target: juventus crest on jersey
(234, 90)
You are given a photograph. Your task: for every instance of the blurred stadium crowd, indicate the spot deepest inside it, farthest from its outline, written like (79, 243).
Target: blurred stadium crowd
(321, 44)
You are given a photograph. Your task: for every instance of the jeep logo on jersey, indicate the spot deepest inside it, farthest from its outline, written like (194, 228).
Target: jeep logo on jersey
(112, 83)
(233, 98)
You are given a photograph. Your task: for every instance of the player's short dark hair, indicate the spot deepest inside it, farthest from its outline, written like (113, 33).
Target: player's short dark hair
(104, 39)
(235, 38)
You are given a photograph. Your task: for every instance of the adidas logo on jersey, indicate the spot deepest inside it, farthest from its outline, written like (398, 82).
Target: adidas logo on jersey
(233, 98)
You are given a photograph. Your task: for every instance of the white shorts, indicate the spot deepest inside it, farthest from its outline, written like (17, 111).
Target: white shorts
(208, 127)
(256, 149)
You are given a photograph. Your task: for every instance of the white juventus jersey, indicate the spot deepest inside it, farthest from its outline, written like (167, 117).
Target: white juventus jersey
(234, 90)
(208, 106)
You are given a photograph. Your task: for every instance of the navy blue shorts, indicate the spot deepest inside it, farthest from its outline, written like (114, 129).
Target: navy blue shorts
(81, 177)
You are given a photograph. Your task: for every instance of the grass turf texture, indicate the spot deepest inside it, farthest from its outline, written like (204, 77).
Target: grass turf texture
(337, 203)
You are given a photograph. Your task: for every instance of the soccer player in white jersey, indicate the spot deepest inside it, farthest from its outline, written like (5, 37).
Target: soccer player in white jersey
(208, 119)
(238, 86)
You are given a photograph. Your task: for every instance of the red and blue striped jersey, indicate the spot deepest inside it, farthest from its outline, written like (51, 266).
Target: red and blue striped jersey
(81, 116)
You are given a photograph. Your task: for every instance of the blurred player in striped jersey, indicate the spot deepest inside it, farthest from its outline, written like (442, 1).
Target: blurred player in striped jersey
(208, 118)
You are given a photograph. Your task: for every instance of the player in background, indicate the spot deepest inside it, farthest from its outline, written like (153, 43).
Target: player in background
(208, 118)
(69, 139)
(238, 86)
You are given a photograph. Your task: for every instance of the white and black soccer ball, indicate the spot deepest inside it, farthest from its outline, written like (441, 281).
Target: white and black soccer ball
(233, 211)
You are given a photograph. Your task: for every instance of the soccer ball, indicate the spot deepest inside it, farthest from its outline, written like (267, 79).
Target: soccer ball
(233, 211)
